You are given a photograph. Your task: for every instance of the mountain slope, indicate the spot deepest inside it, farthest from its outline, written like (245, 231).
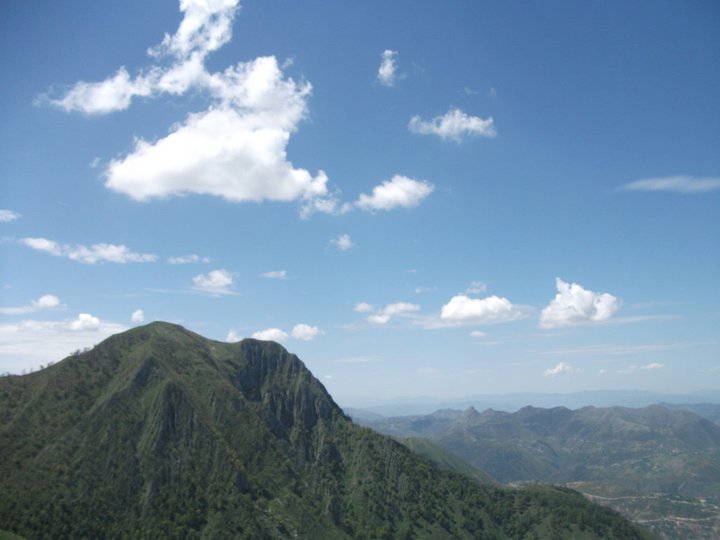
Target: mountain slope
(160, 433)
(658, 466)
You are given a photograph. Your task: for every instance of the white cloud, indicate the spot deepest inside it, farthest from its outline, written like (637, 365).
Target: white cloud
(188, 259)
(653, 365)
(464, 310)
(634, 368)
(363, 307)
(275, 274)
(233, 336)
(8, 215)
(84, 321)
(138, 316)
(216, 282)
(236, 149)
(421, 290)
(27, 344)
(476, 287)
(46, 301)
(575, 305)
(343, 242)
(384, 315)
(206, 26)
(224, 152)
(328, 204)
(88, 255)
(271, 334)
(453, 125)
(112, 94)
(675, 184)
(477, 333)
(560, 368)
(398, 192)
(305, 332)
(387, 72)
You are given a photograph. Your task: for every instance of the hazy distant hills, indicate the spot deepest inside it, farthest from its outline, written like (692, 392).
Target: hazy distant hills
(704, 403)
(160, 433)
(613, 453)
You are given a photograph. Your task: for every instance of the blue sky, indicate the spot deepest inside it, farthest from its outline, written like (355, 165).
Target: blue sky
(418, 198)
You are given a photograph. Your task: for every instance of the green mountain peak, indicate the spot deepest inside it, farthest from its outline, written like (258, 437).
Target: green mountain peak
(158, 432)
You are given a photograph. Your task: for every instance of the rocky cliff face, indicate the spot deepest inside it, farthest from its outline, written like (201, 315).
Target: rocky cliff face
(160, 433)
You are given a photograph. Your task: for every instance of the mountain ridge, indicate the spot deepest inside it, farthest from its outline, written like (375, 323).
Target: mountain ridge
(160, 433)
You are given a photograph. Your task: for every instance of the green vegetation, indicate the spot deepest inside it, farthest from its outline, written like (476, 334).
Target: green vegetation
(659, 467)
(445, 459)
(160, 433)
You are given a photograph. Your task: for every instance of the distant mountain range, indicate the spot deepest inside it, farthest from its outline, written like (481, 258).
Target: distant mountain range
(160, 433)
(613, 454)
(710, 399)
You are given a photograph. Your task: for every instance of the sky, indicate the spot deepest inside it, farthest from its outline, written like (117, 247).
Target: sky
(417, 198)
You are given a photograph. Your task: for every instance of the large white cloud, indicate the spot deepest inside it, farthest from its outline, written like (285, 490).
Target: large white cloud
(575, 305)
(387, 72)
(676, 184)
(30, 343)
(89, 255)
(236, 148)
(462, 309)
(398, 192)
(453, 125)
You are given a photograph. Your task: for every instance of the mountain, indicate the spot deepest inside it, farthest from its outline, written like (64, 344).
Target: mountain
(160, 433)
(445, 459)
(642, 461)
(709, 411)
(516, 401)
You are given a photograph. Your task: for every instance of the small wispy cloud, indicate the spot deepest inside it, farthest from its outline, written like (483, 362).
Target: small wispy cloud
(384, 315)
(188, 259)
(137, 316)
(559, 369)
(675, 184)
(647, 367)
(218, 282)
(387, 72)
(343, 242)
(8, 215)
(616, 350)
(476, 287)
(46, 301)
(453, 125)
(275, 274)
(97, 253)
